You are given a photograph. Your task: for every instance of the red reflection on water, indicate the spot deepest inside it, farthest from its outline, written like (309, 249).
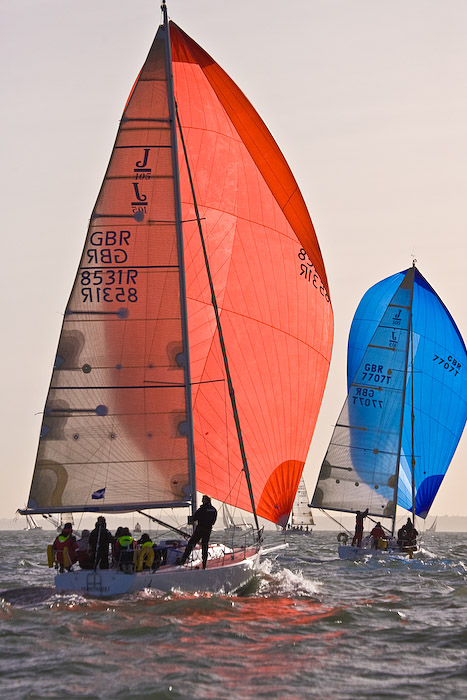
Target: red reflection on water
(237, 642)
(253, 641)
(272, 610)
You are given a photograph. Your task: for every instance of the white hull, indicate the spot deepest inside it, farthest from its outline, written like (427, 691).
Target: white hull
(222, 575)
(346, 551)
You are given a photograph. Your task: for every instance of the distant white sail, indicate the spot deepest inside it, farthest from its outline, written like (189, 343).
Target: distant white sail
(301, 510)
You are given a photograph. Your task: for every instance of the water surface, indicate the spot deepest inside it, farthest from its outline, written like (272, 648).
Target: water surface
(310, 626)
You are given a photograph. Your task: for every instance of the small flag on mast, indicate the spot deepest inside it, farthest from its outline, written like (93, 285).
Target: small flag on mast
(98, 494)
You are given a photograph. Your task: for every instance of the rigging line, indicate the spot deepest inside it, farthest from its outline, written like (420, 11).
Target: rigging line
(161, 522)
(219, 328)
(336, 521)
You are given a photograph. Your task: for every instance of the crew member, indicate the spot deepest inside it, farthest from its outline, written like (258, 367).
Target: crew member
(145, 543)
(67, 540)
(99, 541)
(411, 533)
(124, 551)
(85, 558)
(376, 533)
(205, 517)
(357, 538)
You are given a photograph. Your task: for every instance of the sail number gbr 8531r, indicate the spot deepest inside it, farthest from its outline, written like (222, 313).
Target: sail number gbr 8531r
(106, 283)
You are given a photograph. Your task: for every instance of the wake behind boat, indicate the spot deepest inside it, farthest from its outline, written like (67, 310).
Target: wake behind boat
(404, 414)
(197, 295)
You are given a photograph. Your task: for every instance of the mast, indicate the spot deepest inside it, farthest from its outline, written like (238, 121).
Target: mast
(409, 331)
(412, 415)
(179, 230)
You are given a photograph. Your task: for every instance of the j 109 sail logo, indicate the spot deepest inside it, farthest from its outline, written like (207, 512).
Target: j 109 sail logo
(142, 172)
(393, 340)
(396, 319)
(308, 272)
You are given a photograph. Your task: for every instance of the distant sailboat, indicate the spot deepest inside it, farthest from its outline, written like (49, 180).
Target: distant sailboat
(31, 524)
(301, 517)
(196, 342)
(405, 410)
(58, 520)
(433, 525)
(230, 525)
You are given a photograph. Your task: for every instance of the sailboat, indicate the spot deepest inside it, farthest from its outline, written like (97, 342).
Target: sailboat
(433, 526)
(405, 411)
(196, 341)
(31, 523)
(301, 518)
(58, 520)
(230, 524)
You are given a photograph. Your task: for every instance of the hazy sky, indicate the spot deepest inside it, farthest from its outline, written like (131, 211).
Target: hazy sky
(367, 100)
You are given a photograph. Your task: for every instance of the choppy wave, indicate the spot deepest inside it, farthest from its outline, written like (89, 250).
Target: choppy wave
(309, 626)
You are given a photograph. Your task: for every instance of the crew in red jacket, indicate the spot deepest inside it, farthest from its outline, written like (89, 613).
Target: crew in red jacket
(66, 540)
(376, 533)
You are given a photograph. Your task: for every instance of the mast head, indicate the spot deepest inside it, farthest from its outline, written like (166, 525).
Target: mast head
(164, 11)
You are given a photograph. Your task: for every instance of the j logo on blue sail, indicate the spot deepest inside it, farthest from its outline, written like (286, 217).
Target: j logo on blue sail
(100, 493)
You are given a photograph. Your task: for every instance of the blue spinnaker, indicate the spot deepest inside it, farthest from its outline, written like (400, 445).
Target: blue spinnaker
(439, 387)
